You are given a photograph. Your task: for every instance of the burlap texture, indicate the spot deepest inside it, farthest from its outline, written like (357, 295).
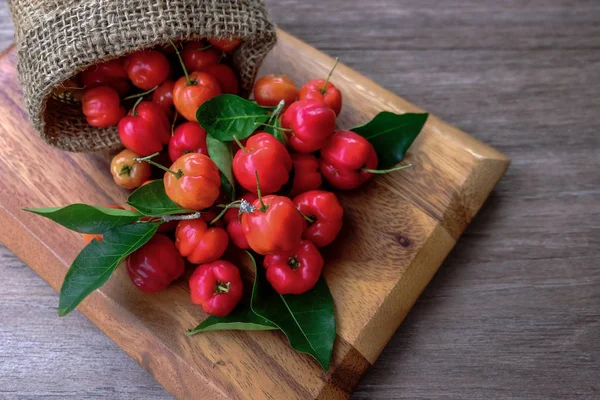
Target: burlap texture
(58, 38)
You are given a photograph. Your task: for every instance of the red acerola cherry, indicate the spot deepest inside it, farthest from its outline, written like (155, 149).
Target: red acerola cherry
(271, 89)
(306, 173)
(197, 57)
(145, 130)
(155, 265)
(102, 107)
(217, 287)
(312, 123)
(225, 76)
(234, 224)
(188, 137)
(313, 90)
(110, 73)
(190, 94)
(226, 44)
(345, 158)
(147, 68)
(268, 157)
(163, 96)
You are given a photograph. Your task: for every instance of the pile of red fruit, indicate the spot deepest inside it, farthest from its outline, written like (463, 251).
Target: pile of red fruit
(287, 228)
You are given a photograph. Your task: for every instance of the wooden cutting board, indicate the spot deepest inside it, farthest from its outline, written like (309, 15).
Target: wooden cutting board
(397, 231)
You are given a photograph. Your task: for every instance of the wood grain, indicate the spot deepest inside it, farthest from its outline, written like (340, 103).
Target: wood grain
(398, 231)
(513, 312)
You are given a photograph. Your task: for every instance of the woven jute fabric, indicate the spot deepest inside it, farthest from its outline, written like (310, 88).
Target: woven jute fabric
(58, 38)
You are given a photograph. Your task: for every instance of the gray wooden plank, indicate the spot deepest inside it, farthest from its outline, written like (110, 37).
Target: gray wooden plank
(6, 27)
(514, 312)
(431, 24)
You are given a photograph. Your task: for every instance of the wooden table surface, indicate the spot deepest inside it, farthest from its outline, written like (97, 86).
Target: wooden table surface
(514, 312)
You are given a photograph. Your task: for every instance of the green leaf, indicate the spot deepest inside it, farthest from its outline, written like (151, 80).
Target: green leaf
(227, 115)
(279, 135)
(391, 135)
(307, 320)
(152, 200)
(277, 111)
(221, 153)
(97, 261)
(241, 319)
(84, 218)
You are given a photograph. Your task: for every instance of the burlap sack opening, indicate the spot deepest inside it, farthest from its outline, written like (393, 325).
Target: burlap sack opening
(58, 38)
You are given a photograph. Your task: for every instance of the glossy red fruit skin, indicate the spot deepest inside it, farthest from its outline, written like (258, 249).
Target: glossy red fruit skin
(187, 98)
(326, 210)
(155, 265)
(147, 68)
(266, 155)
(274, 229)
(209, 216)
(110, 73)
(271, 89)
(306, 173)
(151, 112)
(332, 96)
(126, 172)
(343, 159)
(102, 107)
(312, 123)
(205, 283)
(234, 225)
(163, 96)
(226, 44)
(147, 131)
(199, 243)
(188, 137)
(197, 60)
(296, 271)
(228, 80)
(200, 185)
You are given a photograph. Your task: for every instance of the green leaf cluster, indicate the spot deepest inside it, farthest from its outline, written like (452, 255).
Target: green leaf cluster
(307, 320)
(123, 233)
(391, 135)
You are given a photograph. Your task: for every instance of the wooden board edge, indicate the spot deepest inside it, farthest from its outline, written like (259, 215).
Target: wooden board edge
(107, 315)
(378, 331)
(5, 52)
(406, 290)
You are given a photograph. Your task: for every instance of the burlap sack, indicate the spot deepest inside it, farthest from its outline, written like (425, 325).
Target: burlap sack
(58, 38)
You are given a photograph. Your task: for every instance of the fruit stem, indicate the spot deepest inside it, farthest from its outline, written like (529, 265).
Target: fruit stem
(199, 49)
(265, 107)
(187, 76)
(385, 171)
(276, 112)
(173, 123)
(133, 96)
(324, 88)
(274, 127)
(233, 204)
(307, 218)
(293, 263)
(133, 112)
(147, 159)
(222, 287)
(167, 218)
(263, 207)
(125, 170)
(240, 144)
